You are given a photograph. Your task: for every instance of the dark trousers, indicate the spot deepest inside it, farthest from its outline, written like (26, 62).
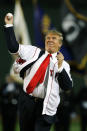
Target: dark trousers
(30, 114)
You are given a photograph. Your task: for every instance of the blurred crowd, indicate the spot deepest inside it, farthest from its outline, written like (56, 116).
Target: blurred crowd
(9, 94)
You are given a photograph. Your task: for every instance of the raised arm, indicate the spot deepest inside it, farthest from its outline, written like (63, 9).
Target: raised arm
(12, 44)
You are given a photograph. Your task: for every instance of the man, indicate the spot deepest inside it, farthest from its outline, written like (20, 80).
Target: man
(40, 97)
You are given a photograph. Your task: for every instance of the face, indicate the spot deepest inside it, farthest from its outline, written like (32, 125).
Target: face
(52, 43)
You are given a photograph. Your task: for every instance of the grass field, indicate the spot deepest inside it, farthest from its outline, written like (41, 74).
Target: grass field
(75, 126)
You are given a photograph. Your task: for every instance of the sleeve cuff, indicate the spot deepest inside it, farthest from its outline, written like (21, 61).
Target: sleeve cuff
(8, 25)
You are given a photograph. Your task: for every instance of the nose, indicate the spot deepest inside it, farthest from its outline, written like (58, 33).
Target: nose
(51, 39)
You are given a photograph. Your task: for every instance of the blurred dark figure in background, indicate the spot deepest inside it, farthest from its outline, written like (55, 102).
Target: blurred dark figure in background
(9, 93)
(82, 104)
(64, 111)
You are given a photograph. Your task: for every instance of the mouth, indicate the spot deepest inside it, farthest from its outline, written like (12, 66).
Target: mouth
(50, 44)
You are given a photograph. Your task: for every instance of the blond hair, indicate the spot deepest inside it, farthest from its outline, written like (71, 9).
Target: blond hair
(55, 32)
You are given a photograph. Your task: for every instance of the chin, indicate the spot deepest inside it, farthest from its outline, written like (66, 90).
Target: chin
(50, 51)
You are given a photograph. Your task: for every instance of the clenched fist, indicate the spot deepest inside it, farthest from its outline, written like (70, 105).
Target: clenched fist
(60, 59)
(9, 18)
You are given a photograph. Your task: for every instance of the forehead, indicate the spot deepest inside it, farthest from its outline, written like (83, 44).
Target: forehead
(52, 35)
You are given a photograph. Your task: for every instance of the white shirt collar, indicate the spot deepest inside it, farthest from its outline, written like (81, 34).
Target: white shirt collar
(53, 55)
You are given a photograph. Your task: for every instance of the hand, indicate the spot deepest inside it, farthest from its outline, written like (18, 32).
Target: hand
(9, 18)
(60, 59)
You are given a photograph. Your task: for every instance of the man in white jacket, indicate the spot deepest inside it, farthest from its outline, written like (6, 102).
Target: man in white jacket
(38, 105)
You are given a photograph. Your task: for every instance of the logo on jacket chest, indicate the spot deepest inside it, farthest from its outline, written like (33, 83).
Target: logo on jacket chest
(56, 75)
(51, 72)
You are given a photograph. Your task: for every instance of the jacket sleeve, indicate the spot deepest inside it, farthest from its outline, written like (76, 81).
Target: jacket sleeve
(12, 44)
(64, 80)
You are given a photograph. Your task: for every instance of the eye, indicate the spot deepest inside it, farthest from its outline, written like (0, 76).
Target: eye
(48, 38)
(54, 38)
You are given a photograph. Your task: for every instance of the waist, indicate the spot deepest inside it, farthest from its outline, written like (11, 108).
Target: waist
(39, 91)
(36, 99)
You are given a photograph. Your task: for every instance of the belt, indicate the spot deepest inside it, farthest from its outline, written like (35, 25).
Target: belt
(36, 99)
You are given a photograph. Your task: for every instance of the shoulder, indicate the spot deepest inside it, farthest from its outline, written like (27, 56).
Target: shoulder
(28, 51)
(66, 64)
(27, 47)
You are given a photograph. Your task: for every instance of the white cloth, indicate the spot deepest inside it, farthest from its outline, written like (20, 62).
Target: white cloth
(49, 91)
